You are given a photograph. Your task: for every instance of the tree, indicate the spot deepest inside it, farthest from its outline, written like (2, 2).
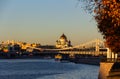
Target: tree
(107, 16)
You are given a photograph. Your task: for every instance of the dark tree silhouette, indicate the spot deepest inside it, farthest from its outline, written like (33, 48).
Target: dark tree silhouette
(107, 16)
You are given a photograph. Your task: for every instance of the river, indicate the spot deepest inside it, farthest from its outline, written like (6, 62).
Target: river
(45, 69)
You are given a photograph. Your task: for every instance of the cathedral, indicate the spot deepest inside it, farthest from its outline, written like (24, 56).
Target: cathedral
(63, 42)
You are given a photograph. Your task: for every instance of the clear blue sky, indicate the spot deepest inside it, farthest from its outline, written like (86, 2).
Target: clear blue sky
(44, 21)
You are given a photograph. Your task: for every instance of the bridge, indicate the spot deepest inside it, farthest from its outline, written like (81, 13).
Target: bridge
(95, 47)
(97, 44)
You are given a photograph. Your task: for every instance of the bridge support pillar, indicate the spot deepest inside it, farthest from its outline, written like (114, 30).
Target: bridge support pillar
(111, 55)
(97, 45)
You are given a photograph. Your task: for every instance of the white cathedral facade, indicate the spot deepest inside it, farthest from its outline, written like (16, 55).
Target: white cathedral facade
(62, 42)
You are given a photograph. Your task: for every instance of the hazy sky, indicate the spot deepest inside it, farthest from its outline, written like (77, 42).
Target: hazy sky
(44, 21)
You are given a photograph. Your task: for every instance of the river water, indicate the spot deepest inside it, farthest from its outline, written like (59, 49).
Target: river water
(45, 69)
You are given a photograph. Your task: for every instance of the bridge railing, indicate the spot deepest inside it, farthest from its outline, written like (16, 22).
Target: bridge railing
(110, 60)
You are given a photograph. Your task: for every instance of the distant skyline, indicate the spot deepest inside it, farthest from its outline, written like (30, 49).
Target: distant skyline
(44, 21)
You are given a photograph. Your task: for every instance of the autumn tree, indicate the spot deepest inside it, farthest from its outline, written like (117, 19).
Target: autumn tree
(107, 16)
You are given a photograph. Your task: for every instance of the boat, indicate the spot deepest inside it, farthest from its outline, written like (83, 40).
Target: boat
(58, 57)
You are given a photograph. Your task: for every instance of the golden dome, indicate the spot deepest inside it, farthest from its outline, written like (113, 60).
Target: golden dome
(63, 36)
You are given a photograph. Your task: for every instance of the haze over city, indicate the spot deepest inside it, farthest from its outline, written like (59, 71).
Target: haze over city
(44, 21)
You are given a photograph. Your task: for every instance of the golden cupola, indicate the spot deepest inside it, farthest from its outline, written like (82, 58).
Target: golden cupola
(63, 42)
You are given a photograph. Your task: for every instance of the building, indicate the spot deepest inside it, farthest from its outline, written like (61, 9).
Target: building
(23, 45)
(62, 42)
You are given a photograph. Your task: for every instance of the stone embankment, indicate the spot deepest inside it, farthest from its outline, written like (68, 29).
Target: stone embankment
(109, 69)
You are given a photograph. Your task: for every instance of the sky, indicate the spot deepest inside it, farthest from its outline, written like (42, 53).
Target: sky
(44, 21)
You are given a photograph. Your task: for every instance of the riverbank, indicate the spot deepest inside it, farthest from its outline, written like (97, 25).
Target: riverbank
(81, 60)
(88, 60)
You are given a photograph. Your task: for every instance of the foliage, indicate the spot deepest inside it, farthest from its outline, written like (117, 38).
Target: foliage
(107, 16)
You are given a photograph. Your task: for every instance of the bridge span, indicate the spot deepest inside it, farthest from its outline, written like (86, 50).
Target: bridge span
(95, 47)
(92, 53)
